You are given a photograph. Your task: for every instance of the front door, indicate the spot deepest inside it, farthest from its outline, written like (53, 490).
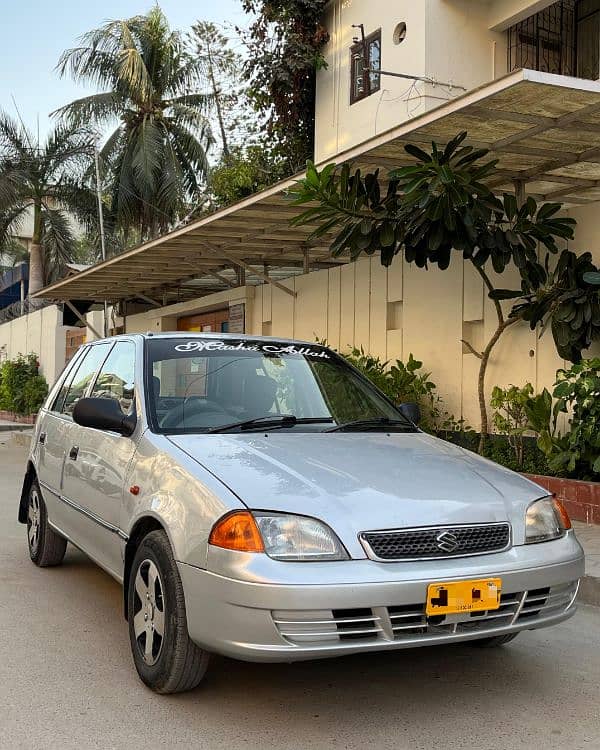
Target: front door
(97, 463)
(56, 435)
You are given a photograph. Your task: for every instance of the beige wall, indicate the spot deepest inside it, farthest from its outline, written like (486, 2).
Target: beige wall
(163, 319)
(401, 310)
(39, 332)
(394, 312)
(447, 40)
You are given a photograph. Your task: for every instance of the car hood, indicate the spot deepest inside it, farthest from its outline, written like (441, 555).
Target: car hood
(362, 481)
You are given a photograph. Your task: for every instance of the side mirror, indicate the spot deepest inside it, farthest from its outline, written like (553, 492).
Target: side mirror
(103, 414)
(411, 412)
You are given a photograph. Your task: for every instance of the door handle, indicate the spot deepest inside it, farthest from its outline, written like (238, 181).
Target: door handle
(42, 438)
(74, 452)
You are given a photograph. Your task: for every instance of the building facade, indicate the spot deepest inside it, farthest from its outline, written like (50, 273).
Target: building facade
(396, 73)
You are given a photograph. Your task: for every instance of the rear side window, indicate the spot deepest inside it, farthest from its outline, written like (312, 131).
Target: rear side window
(116, 379)
(76, 385)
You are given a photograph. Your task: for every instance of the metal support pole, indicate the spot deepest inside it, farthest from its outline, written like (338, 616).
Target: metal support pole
(101, 223)
(520, 192)
(306, 263)
(80, 317)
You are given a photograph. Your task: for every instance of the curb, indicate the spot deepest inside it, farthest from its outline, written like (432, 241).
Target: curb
(589, 591)
(16, 427)
(21, 438)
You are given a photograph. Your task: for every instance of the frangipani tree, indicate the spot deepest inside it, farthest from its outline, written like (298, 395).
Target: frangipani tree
(439, 207)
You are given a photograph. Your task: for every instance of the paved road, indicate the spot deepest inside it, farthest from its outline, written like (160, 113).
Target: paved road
(67, 681)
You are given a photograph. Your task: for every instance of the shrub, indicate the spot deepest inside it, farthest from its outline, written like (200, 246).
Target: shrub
(511, 417)
(407, 383)
(22, 388)
(34, 394)
(577, 392)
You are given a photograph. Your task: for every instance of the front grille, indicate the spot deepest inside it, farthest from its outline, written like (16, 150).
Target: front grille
(408, 624)
(436, 541)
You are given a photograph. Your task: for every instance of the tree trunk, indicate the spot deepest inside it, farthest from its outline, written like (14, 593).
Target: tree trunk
(36, 268)
(36, 253)
(485, 358)
(218, 105)
(503, 324)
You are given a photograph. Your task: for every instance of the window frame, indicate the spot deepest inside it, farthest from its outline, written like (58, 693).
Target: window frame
(66, 373)
(74, 372)
(359, 47)
(94, 380)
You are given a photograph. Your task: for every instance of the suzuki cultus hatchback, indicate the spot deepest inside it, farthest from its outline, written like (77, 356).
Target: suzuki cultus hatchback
(259, 498)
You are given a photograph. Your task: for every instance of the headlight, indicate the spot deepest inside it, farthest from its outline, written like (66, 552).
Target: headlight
(288, 537)
(546, 519)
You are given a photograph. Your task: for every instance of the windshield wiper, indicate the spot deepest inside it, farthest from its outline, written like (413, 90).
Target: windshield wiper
(269, 422)
(374, 422)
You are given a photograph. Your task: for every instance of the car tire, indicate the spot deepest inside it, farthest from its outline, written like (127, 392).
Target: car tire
(167, 661)
(494, 641)
(46, 547)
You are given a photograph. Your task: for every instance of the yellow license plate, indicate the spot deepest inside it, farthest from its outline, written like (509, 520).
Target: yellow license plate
(463, 596)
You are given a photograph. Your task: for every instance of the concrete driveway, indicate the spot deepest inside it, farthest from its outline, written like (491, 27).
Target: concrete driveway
(67, 680)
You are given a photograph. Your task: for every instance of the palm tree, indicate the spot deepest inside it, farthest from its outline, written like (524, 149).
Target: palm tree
(43, 182)
(155, 158)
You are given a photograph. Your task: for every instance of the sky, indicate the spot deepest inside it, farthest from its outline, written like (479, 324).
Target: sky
(35, 32)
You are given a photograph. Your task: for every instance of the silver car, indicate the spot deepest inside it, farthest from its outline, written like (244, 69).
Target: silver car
(259, 498)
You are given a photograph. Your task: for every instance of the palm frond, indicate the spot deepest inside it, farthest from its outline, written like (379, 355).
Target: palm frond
(98, 108)
(58, 241)
(11, 222)
(14, 138)
(13, 252)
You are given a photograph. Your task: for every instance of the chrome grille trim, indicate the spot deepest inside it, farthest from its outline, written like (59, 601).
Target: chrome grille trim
(408, 624)
(369, 538)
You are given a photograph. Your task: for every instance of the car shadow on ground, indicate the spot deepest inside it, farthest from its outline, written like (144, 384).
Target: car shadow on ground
(422, 672)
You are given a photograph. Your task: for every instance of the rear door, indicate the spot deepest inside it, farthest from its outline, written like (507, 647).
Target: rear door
(97, 462)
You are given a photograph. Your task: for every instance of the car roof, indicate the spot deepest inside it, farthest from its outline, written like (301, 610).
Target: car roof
(202, 335)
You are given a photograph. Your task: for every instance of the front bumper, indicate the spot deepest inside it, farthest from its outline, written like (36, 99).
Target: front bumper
(361, 605)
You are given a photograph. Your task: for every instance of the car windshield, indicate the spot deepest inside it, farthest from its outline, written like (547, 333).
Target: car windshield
(197, 385)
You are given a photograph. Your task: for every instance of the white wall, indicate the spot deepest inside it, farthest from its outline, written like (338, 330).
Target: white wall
(447, 40)
(40, 332)
(504, 13)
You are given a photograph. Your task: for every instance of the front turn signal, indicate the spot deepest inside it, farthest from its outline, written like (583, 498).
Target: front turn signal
(237, 531)
(562, 513)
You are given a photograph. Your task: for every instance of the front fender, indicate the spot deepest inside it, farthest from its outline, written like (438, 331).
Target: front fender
(177, 492)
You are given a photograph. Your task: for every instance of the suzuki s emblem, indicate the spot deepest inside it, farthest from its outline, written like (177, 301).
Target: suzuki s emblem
(447, 541)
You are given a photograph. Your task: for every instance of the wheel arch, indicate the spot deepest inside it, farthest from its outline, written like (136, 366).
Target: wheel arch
(141, 528)
(30, 477)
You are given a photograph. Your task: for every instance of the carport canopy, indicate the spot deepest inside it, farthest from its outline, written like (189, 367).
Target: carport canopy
(544, 130)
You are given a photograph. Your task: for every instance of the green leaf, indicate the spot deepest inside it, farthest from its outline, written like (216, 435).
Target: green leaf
(501, 294)
(418, 153)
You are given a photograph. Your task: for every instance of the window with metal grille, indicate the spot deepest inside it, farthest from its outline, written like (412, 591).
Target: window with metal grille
(365, 64)
(563, 39)
(545, 41)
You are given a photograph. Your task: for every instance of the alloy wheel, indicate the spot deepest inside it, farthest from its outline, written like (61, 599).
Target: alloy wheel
(33, 521)
(149, 617)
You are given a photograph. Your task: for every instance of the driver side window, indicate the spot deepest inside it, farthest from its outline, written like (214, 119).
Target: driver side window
(76, 385)
(116, 379)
